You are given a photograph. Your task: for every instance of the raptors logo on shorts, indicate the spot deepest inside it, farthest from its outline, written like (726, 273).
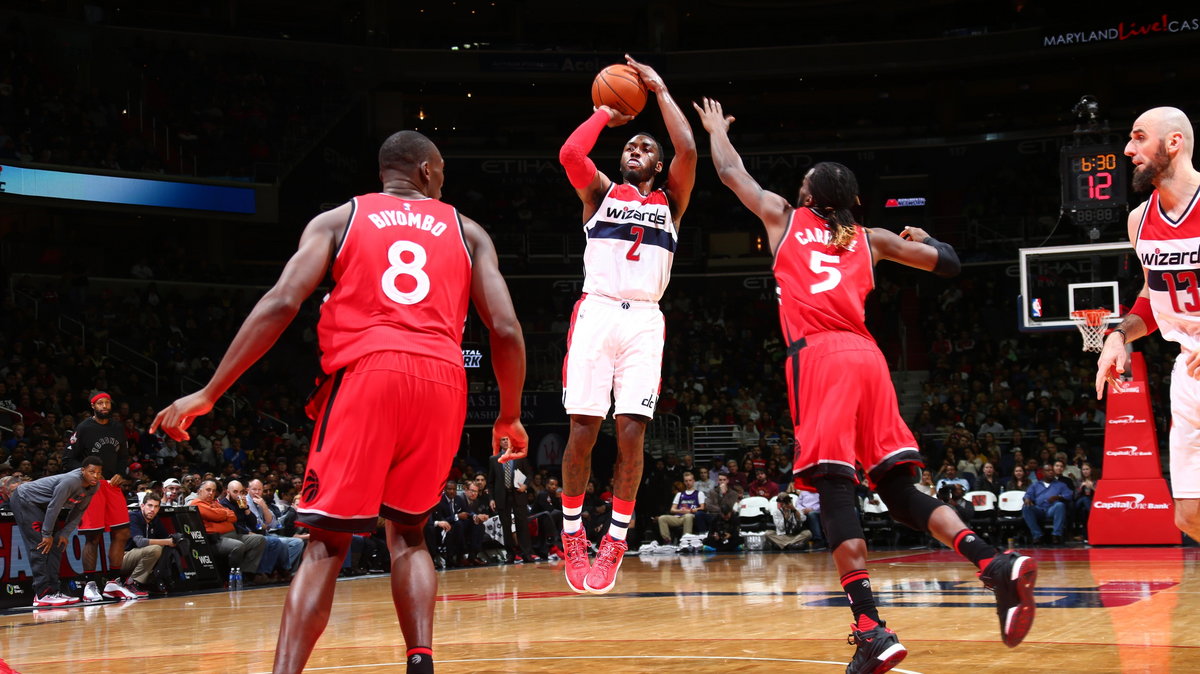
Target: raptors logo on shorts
(311, 486)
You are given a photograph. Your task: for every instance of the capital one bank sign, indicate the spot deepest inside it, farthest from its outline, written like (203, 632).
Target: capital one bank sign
(1129, 502)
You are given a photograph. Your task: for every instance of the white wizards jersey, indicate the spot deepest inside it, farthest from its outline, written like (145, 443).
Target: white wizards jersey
(1170, 253)
(631, 243)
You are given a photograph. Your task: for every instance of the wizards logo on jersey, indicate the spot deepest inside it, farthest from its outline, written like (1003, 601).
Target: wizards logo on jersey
(627, 213)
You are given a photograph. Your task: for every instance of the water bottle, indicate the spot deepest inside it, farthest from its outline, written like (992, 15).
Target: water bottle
(231, 584)
(237, 578)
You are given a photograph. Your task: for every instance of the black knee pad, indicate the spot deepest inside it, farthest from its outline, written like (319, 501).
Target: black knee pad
(839, 514)
(905, 504)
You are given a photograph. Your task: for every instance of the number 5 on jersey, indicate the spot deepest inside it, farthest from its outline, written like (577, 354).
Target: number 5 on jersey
(820, 264)
(399, 267)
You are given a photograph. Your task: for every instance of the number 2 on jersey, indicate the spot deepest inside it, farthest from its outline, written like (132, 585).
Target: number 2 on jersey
(638, 231)
(820, 264)
(415, 269)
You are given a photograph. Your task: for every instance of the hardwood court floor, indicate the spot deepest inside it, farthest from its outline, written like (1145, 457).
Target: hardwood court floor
(1099, 610)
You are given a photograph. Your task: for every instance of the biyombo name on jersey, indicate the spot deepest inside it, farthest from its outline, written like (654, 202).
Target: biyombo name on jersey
(422, 221)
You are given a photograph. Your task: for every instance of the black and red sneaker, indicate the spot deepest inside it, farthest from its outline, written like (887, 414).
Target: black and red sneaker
(1011, 576)
(879, 650)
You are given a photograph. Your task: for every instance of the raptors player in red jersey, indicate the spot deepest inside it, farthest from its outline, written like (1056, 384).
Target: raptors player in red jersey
(389, 414)
(824, 269)
(1165, 232)
(615, 344)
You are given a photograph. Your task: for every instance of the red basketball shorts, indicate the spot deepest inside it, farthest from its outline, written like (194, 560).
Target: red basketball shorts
(107, 510)
(844, 409)
(388, 427)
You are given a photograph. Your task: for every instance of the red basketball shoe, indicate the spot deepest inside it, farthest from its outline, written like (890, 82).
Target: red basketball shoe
(603, 575)
(575, 552)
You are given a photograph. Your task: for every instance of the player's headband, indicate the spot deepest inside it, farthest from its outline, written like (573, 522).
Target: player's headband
(99, 396)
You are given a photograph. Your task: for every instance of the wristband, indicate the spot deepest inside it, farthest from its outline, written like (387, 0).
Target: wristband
(1124, 335)
(1142, 309)
(947, 262)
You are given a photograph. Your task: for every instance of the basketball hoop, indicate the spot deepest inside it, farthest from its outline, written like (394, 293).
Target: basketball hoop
(1091, 325)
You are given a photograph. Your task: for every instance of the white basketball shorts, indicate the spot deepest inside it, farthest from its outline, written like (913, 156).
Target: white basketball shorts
(614, 353)
(1185, 432)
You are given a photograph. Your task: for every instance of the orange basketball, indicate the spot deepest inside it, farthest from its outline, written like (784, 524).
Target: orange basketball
(619, 87)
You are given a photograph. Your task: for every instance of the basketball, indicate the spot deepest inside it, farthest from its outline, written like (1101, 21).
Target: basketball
(619, 87)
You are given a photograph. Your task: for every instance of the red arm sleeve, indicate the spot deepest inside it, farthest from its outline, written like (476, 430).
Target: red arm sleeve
(573, 155)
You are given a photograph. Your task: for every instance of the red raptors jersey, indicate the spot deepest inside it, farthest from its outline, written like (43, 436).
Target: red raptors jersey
(821, 287)
(402, 280)
(1170, 254)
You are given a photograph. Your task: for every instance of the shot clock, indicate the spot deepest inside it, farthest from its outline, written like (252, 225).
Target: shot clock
(1095, 181)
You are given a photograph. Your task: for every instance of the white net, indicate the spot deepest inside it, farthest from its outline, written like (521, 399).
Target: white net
(1091, 325)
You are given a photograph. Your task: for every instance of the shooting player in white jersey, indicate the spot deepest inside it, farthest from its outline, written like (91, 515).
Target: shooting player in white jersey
(615, 344)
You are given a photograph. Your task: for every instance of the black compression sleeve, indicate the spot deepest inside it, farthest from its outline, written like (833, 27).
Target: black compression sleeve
(947, 264)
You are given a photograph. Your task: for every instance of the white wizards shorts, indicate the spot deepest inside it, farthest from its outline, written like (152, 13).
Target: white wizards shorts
(1185, 431)
(614, 352)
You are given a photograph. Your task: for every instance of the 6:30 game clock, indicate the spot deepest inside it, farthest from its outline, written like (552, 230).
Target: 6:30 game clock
(1095, 177)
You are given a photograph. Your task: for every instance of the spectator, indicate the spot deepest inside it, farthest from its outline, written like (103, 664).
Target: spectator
(990, 425)
(547, 512)
(1019, 481)
(596, 513)
(236, 500)
(479, 512)
(446, 529)
(172, 494)
(1060, 473)
(685, 508)
(988, 480)
(1085, 491)
(761, 486)
(971, 462)
(950, 476)
(147, 540)
(789, 532)
(926, 485)
(809, 505)
(267, 518)
(243, 551)
(1046, 499)
(953, 495)
(723, 534)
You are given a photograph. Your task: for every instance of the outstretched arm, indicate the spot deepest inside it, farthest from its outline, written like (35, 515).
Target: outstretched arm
(915, 248)
(771, 208)
(270, 316)
(681, 175)
(489, 292)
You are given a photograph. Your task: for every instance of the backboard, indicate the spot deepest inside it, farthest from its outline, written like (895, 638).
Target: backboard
(1056, 280)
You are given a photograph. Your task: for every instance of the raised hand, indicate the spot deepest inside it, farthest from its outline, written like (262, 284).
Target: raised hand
(713, 116)
(177, 417)
(615, 117)
(509, 437)
(649, 77)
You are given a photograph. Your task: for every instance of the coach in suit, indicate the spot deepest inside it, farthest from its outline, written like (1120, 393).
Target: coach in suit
(511, 500)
